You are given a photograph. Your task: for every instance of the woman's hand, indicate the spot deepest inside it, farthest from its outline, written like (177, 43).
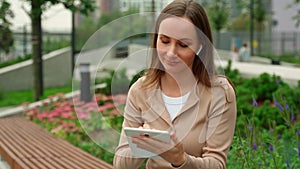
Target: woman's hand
(172, 152)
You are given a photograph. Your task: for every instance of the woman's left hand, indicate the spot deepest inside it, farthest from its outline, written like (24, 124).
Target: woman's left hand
(171, 152)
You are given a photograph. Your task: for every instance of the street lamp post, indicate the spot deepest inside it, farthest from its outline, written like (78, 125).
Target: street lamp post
(85, 83)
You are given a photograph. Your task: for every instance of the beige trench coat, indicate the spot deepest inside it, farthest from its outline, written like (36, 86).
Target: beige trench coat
(205, 125)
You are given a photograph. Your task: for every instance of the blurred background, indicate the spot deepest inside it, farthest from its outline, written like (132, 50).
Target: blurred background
(29, 31)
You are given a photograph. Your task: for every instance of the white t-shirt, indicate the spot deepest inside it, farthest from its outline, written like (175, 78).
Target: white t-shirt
(174, 104)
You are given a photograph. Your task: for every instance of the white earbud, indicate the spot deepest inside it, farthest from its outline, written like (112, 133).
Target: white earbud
(199, 50)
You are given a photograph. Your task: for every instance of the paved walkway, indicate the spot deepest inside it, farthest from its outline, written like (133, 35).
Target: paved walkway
(258, 65)
(290, 75)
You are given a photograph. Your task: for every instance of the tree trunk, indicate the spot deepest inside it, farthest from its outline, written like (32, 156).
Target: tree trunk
(37, 49)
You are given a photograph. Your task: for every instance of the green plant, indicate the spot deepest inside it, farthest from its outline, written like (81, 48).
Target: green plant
(14, 61)
(6, 34)
(50, 45)
(1, 95)
(277, 146)
(15, 98)
(267, 129)
(232, 74)
(117, 82)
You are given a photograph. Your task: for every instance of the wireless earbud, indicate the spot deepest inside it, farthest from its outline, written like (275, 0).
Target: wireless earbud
(199, 50)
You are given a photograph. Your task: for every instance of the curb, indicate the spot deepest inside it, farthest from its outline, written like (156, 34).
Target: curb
(20, 109)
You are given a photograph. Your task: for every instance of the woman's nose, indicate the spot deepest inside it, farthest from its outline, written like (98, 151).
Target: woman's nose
(172, 52)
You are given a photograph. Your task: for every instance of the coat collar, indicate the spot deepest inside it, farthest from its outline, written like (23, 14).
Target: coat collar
(157, 104)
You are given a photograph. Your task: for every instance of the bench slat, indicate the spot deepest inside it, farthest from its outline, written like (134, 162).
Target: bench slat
(19, 143)
(23, 144)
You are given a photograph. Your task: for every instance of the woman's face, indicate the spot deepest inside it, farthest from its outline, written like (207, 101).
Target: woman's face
(177, 44)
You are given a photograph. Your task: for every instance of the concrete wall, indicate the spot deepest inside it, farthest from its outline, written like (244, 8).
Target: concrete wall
(56, 67)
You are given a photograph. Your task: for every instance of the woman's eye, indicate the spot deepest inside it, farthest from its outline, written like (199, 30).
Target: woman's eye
(164, 41)
(183, 45)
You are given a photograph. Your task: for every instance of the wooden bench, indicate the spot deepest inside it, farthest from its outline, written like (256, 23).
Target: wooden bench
(25, 145)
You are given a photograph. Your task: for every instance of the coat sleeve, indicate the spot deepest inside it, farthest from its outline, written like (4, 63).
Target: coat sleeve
(123, 158)
(220, 129)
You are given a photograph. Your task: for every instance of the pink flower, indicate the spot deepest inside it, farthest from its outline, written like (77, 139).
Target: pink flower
(56, 129)
(78, 103)
(60, 95)
(92, 109)
(59, 122)
(32, 112)
(120, 99)
(75, 129)
(68, 125)
(90, 104)
(41, 116)
(83, 116)
(67, 109)
(54, 113)
(66, 115)
(106, 107)
(45, 103)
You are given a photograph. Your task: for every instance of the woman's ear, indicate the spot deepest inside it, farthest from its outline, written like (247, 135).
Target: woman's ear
(199, 50)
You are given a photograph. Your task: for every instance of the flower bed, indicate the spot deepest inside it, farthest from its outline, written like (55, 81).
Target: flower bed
(64, 118)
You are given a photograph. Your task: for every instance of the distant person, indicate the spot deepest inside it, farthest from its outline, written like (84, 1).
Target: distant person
(234, 54)
(244, 53)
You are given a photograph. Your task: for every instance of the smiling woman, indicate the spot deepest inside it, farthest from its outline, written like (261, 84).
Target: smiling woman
(181, 92)
(177, 44)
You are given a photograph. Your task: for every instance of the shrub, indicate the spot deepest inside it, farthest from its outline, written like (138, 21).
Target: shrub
(117, 82)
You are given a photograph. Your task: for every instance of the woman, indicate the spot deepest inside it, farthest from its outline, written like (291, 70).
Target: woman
(182, 93)
(234, 54)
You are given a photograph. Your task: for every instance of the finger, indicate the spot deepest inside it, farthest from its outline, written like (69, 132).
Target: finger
(174, 138)
(146, 126)
(151, 144)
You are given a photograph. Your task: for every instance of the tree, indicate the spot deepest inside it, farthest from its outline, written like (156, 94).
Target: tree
(37, 9)
(218, 12)
(297, 16)
(252, 17)
(6, 35)
(108, 28)
(259, 17)
(242, 22)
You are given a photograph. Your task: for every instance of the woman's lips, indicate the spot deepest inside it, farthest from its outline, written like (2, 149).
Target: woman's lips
(172, 62)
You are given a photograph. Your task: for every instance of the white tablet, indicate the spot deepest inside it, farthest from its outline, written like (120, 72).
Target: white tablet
(157, 134)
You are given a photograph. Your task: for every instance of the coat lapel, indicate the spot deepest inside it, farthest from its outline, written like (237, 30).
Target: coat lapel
(191, 101)
(157, 107)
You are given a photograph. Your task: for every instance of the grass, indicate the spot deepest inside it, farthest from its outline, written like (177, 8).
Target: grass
(288, 57)
(14, 61)
(15, 98)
